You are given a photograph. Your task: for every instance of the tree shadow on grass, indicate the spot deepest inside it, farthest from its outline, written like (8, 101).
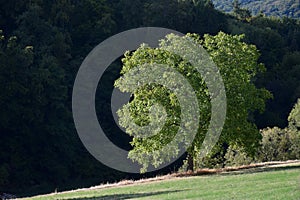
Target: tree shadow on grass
(127, 196)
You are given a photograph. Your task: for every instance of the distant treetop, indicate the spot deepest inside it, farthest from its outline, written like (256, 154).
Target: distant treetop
(278, 8)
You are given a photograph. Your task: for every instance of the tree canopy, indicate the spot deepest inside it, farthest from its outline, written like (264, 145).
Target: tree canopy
(288, 8)
(238, 65)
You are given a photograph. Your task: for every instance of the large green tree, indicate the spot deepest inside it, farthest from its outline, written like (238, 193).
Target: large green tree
(238, 65)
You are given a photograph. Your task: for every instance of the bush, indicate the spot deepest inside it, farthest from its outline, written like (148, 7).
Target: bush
(275, 145)
(282, 144)
(295, 147)
(294, 130)
(294, 117)
(237, 156)
(215, 159)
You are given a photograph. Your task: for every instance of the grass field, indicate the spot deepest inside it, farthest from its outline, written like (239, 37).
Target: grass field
(282, 183)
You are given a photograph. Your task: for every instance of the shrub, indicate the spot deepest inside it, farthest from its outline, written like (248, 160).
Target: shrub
(275, 145)
(294, 117)
(295, 144)
(237, 156)
(282, 144)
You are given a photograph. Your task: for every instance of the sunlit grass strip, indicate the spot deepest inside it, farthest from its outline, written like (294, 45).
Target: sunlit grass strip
(279, 184)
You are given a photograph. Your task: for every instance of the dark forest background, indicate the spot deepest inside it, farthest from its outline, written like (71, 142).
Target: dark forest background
(42, 45)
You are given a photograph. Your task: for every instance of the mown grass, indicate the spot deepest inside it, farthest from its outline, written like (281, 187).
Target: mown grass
(279, 184)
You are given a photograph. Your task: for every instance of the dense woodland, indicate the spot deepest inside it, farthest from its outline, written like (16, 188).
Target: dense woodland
(42, 46)
(276, 8)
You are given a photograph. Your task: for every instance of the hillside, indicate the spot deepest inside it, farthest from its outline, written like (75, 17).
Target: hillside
(42, 47)
(278, 8)
(275, 182)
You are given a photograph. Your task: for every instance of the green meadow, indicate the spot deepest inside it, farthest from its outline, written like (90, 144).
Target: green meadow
(283, 183)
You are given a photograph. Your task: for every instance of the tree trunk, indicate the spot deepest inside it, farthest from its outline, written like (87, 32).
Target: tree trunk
(190, 162)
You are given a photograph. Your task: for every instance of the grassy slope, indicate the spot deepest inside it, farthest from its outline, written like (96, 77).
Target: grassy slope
(279, 184)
